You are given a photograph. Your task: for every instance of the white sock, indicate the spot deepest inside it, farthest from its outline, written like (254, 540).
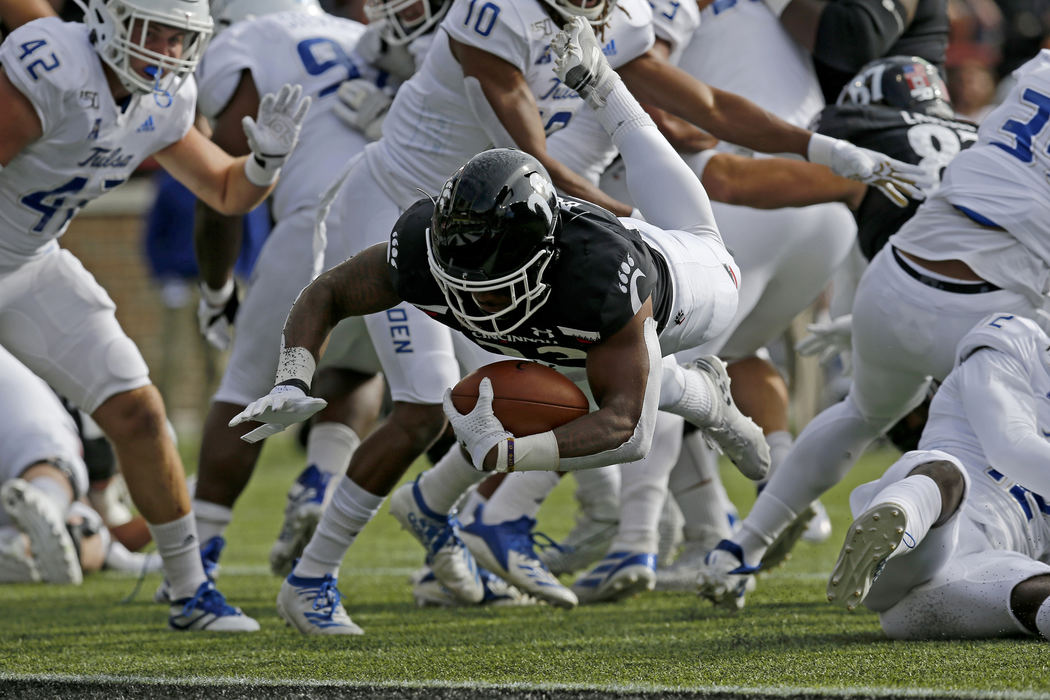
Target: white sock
(697, 488)
(644, 489)
(685, 393)
(520, 494)
(471, 501)
(622, 114)
(330, 446)
(598, 492)
(56, 491)
(920, 499)
(444, 483)
(350, 510)
(179, 548)
(780, 443)
(212, 519)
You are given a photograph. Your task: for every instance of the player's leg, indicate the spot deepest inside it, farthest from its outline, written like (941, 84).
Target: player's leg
(904, 530)
(598, 499)
(74, 342)
(354, 394)
(630, 565)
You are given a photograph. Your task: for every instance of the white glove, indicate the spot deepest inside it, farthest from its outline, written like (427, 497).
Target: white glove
(273, 135)
(895, 179)
(480, 430)
(363, 106)
(215, 313)
(830, 339)
(285, 405)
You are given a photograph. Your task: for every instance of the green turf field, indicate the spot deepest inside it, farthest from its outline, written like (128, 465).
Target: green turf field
(787, 640)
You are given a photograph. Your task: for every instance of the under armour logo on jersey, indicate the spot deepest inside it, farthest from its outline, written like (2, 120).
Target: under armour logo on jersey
(146, 125)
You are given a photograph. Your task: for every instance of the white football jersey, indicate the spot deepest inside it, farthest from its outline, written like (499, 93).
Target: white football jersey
(315, 51)
(89, 145)
(431, 129)
(674, 21)
(1024, 348)
(741, 47)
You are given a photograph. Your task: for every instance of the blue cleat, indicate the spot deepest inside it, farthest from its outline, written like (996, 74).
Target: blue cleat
(619, 575)
(210, 553)
(306, 502)
(314, 606)
(207, 611)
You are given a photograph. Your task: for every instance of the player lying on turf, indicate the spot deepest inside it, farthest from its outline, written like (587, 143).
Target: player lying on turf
(953, 540)
(521, 272)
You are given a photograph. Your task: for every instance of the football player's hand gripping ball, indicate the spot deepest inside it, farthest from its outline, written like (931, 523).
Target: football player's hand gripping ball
(480, 430)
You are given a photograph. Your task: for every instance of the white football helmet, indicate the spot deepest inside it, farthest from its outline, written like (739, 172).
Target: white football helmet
(226, 12)
(596, 12)
(119, 29)
(396, 29)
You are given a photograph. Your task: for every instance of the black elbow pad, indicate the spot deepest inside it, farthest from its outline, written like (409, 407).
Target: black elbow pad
(854, 32)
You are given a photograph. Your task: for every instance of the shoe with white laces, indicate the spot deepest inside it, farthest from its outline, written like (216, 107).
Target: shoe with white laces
(683, 573)
(724, 578)
(210, 553)
(39, 518)
(16, 563)
(314, 606)
(584, 545)
(736, 435)
(819, 528)
(306, 501)
(873, 538)
(618, 575)
(428, 591)
(451, 561)
(580, 62)
(507, 550)
(779, 551)
(208, 611)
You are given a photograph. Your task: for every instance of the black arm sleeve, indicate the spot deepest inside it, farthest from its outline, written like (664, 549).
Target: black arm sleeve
(853, 32)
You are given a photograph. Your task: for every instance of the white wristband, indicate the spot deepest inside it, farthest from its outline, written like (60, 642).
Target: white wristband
(217, 297)
(777, 6)
(258, 174)
(530, 453)
(295, 364)
(820, 149)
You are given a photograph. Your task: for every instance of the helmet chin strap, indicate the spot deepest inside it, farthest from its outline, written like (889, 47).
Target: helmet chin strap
(161, 96)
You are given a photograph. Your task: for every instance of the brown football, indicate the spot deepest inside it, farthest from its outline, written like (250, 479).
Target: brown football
(528, 397)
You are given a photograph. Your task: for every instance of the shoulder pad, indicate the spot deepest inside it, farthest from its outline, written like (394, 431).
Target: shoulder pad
(1008, 333)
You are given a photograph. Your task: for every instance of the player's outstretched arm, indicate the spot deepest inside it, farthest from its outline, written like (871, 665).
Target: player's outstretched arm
(19, 123)
(237, 185)
(356, 287)
(772, 183)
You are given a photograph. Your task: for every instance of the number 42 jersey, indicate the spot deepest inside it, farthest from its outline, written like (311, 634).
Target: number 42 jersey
(89, 144)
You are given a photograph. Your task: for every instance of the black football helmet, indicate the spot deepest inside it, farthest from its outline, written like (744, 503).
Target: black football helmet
(493, 230)
(905, 82)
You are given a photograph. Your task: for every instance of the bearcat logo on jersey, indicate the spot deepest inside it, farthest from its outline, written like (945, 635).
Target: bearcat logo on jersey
(391, 249)
(630, 276)
(106, 158)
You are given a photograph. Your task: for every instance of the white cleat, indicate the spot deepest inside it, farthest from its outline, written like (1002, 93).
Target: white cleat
(580, 62)
(207, 611)
(451, 561)
(51, 544)
(724, 579)
(736, 435)
(302, 513)
(873, 538)
(618, 575)
(584, 545)
(16, 563)
(779, 551)
(507, 550)
(314, 606)
(819, 528)
(428, 591)
(684, 572)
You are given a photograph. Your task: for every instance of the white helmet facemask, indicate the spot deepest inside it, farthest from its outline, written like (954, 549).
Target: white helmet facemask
(398, 30)
(596, 14)
(120, 30)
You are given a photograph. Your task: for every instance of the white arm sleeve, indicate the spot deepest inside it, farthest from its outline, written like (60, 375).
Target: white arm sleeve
(1000, 406)
(638, 445)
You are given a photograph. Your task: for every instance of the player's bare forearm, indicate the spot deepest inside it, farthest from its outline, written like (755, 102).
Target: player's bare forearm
(685, 137)
(216, 244)
(723, 114)
(357, 287)
(801, 19)
(772, 183)
(15, 13)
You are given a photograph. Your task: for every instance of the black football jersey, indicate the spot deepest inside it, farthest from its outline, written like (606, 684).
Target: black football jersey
(906, 136)
(926, 37)
(601, 273)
